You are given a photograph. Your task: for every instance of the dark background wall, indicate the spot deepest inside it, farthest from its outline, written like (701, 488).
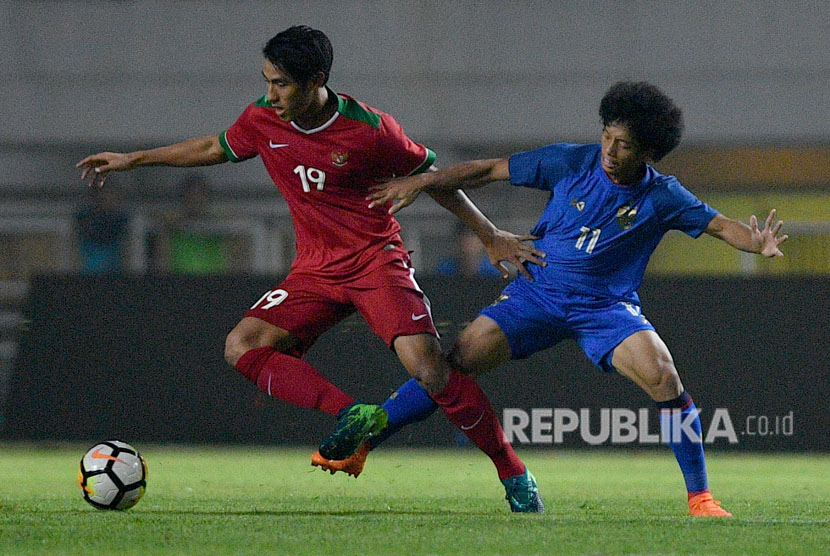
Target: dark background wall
(141, 358)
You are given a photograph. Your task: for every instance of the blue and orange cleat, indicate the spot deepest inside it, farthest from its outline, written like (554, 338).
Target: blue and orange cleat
(703, 505)
(356, 424)
(353, 465)
(523, 494)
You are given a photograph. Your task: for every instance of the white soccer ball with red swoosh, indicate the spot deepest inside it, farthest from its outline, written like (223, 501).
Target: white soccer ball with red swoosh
(113, 475)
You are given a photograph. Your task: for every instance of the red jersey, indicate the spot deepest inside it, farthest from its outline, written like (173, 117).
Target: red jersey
(325, 174)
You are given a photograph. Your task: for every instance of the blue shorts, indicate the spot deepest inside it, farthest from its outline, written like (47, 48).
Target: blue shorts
(534, 319)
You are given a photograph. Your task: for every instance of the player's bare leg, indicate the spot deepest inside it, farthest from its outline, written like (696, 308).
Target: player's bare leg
(421, 355)
(480, 348)
(465, 405)
(644, 358)
(268, 356)
(252, 333)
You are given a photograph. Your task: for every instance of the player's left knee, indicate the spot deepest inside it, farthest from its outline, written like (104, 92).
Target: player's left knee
(234, 348)
(433, 378)
(464, 357)
(239, 342)
(666, 383)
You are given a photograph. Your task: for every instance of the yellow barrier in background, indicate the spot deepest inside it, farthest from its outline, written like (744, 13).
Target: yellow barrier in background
(806, 219)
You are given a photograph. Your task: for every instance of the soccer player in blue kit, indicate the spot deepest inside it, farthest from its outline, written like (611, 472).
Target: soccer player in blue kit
(608, 210)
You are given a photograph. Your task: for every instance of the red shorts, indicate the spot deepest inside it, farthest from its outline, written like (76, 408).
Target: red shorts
(307, 307)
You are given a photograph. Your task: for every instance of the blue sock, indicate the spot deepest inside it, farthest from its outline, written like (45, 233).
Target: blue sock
(408, 404)
(688, 451)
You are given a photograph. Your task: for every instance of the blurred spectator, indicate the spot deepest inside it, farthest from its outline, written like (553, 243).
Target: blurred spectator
(470, 258)
(188, 244)
(101, 225)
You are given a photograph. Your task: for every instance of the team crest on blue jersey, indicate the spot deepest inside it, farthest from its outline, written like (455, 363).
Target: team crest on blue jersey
(626, 216)
(339, 159)
(580, 205)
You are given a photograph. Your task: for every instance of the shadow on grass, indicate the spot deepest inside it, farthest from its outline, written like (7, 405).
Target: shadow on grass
(269, 513)
(317, 513)
(561, 519)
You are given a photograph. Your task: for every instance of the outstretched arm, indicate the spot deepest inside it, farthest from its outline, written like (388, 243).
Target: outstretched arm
(199, 151)
(501, 246)
(749, 238)
(467, 175)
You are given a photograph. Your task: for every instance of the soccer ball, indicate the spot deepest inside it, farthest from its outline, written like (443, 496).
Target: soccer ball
(112, 475)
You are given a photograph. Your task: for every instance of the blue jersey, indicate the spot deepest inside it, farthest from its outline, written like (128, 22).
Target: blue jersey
(598, 236)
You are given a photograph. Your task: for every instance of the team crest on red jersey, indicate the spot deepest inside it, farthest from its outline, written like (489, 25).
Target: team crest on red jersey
(339, 159)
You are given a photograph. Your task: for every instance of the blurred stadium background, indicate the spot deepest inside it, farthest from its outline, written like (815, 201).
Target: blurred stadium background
(469, 79)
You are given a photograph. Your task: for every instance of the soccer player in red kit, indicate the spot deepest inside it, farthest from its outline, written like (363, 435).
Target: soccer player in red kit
(324, 151)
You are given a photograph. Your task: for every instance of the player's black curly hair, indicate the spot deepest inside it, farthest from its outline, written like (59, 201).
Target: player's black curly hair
(653, 119)
(300, 52)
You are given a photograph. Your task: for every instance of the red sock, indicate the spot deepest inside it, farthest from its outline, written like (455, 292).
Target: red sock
(467, 408)
(291, 380)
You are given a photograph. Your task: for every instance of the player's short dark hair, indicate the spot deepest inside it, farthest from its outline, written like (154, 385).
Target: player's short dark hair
(652, 118)
(300, 52)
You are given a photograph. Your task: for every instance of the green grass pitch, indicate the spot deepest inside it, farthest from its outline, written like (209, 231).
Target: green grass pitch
(255, 500)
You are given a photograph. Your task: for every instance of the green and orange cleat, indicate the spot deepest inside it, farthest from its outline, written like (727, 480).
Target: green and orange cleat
(703, 505)
(356, 424)
(353, 465)
(523, 494)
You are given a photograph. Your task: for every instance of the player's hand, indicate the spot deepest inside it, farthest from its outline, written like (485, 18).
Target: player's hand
(507, 247)
(403, 191)
(97, 166)
(768, 239)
